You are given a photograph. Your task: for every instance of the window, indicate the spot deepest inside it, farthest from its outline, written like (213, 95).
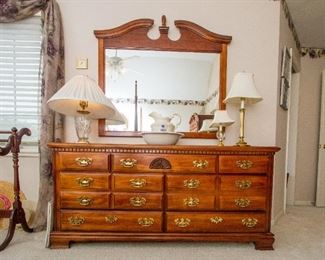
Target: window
(20, 82)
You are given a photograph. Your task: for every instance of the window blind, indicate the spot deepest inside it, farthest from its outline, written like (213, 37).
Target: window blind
(20, 82)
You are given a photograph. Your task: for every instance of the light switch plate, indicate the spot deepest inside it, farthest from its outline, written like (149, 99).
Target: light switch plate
(82, 63)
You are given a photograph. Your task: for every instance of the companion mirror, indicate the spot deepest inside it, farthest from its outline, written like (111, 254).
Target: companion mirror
(184, 80)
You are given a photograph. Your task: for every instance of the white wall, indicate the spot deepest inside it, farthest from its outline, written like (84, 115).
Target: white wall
(285, 39)
(254, 48)
(308, 129)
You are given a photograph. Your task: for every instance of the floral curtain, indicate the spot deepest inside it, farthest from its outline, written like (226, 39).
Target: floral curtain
(52, 80)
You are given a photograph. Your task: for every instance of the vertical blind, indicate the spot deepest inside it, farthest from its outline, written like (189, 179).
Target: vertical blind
(20, 58)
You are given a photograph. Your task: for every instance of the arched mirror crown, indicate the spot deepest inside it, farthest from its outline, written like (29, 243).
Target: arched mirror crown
(186, 76)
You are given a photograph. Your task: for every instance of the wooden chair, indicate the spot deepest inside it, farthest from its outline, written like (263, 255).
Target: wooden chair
(16, 215)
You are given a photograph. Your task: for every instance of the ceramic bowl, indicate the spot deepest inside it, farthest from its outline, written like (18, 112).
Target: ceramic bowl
(161, 138)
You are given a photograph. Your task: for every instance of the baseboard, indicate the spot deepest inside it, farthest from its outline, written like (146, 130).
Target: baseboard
(277, 217)
(304, 203)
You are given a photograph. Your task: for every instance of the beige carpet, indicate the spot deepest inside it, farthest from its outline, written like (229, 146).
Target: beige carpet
(299, 235)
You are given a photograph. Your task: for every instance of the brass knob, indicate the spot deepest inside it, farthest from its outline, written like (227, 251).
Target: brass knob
(83, 161)
(84, 182)
(191, 183)
(76, 221)
(200, 164)
(244, 164)
(182, 222)
(146, 222)
(128, 163)
(111, 219)
(138, 183)
(84, 201)
(243, 184)
(242, 202)
(137, 201)
(249, 222)
(216, 220)
(191, 202)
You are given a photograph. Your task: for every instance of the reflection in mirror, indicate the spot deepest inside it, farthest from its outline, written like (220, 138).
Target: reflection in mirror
(166, 82)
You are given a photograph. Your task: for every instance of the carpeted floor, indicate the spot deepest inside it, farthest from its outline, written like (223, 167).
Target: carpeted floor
(299, 235)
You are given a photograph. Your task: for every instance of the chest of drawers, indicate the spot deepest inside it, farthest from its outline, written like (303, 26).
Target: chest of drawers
(162, 193)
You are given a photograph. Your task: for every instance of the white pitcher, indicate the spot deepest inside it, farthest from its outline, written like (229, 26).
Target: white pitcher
(164, 124)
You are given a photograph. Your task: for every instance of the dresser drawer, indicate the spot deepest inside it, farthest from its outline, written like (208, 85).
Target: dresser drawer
(137, 182)
(86, 220)
(242, 203)
(190, 201)
(137, 201)
(82, 161)
(215, 222)
(243, 164)
(171, 163)
(188, 183)
(85, 181)
(81, 200)
(243, 184)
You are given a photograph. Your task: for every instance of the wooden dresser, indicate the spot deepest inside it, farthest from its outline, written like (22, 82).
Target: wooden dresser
(162, 193)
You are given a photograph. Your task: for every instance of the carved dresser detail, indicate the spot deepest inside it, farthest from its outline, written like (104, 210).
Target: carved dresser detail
(162, 193)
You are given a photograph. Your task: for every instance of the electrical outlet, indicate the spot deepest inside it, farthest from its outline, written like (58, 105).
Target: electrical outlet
(82, 63)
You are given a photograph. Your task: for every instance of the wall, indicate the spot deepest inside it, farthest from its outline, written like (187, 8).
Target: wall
(253, 48)
(308, 129)
(285, 39)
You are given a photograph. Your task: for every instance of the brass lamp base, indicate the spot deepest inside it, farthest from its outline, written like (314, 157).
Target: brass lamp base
(241, 142)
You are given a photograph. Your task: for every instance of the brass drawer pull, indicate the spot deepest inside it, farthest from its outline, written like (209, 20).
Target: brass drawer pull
(200, 164)
(216, 220)
(182, 222)
(137, 201)
(76, 221)
(191, 184)
(191, 202)
(242, 202)
(111, 219)
(84, 182)
(84, 201)
(84, 161)
(138, 183)
(249, 222)
(244, 164)
(128, 163)
(146, 222)
(243, 184)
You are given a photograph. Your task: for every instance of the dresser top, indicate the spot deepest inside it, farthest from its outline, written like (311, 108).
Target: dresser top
(160, 149)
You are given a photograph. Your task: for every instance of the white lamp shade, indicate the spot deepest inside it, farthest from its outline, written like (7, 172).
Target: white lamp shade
(116, 119)
(243, 86)
(221, 118)
(82, 88)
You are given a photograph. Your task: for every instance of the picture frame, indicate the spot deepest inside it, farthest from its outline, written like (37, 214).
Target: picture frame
(286, 71)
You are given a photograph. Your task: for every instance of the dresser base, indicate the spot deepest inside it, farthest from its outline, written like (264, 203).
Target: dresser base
(60, 240)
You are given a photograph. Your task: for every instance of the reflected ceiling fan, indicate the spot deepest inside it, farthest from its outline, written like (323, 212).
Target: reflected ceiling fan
(115, 65)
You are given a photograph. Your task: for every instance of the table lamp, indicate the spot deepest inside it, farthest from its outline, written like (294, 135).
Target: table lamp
(243, 91)
(82, 98)
(221, 119)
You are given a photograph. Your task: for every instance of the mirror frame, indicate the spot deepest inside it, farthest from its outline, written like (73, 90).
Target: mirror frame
(134, 36)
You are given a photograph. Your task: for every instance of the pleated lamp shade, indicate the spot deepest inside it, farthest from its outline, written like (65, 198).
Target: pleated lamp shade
(82, 88)
(221, 118)
(243, 86)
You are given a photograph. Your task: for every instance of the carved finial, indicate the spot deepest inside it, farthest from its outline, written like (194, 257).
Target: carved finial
(163, 28)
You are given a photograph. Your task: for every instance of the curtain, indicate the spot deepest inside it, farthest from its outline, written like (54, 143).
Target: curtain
(52, 79)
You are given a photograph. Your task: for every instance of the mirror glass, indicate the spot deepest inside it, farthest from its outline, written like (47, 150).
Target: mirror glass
(166, 82)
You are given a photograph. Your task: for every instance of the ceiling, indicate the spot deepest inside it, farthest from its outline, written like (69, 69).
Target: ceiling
(309, 19)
